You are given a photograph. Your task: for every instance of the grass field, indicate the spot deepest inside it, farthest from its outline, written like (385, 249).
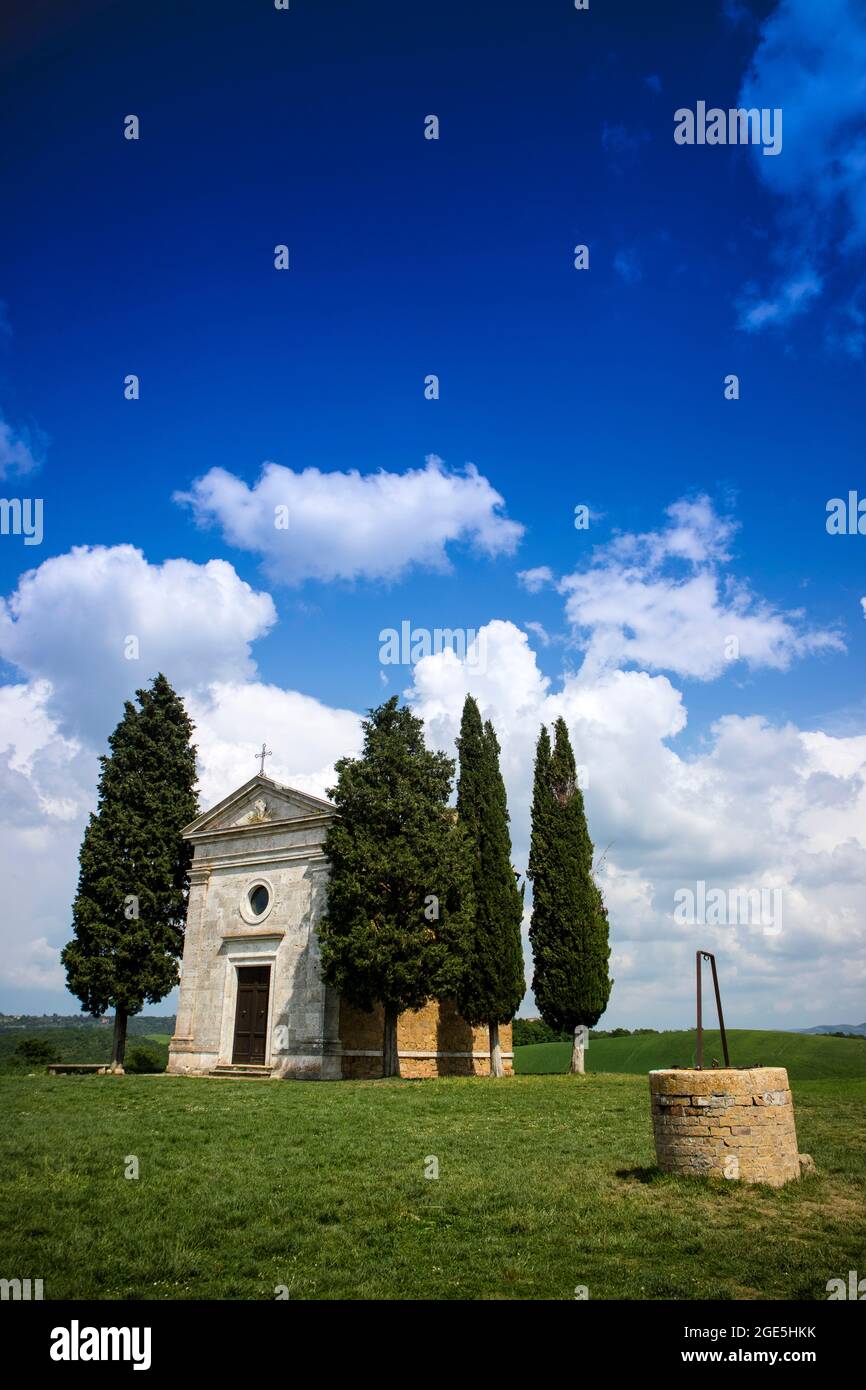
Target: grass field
(545, 1183)
(807, 1057)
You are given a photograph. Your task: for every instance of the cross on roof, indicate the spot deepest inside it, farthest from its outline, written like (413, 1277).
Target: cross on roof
(265, 753)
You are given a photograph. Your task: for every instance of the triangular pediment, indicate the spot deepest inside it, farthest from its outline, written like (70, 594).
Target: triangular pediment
(259, 803)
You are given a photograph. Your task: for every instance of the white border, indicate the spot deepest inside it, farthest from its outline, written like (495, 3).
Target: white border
(244, 906)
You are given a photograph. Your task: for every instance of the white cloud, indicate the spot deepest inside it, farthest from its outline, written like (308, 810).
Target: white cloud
(538, 630)
(760, 805)
(661, 600)
(233, 718)
(69, 620)
(65, 629)
(48, 788)
(536, 579)
(345, 525)
(757, 804)
(46, 791)
(33, 965)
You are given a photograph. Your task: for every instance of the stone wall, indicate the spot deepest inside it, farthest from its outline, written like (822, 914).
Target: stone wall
(433, 1041)
(271, 836)
(725, 1124)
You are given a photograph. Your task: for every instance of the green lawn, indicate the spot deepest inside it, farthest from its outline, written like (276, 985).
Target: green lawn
(807, 1057)
(546, 1183)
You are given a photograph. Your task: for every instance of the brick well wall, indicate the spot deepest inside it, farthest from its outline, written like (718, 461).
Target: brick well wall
(725, 1124)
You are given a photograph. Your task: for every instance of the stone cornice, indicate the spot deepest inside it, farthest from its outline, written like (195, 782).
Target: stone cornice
(315, 857)
(260, 827)
(275, 934)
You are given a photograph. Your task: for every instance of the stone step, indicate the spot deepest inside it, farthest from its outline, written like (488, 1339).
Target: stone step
(243, 1071)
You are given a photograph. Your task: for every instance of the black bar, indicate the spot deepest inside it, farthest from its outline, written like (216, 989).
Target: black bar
(700, 1050)
(719, 1007)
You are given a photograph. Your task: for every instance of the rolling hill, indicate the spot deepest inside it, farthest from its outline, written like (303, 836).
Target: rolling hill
(807, 1056)
(81, 1044)
(834, 1028)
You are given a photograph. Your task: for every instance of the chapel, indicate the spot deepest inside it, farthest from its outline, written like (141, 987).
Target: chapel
(252, 999)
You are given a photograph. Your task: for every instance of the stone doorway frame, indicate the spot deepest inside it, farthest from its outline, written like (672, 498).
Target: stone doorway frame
(239, 951)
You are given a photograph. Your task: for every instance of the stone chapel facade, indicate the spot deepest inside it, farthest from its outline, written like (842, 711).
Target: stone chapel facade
(252, 998)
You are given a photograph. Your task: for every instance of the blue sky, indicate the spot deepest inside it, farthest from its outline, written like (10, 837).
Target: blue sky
(604, 387)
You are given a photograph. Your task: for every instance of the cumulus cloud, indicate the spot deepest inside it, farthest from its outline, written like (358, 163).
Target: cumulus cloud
(539, 631)
(536, 579)
(70, 624)
(48, 788)
(756, 804)
(760, 805)
(348, 525)
(66, 629)
(307, 737)
(46, 791)
(663, 600)
(809, 61)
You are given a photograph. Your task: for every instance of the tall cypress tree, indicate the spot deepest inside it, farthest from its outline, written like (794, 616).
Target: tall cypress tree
(130, 908)
(568, 932)
(400, 890)
(493, 980)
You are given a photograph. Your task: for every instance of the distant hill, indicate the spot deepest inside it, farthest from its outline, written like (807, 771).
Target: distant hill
(808, 1057)
(80, 1038)
(835, 1028)
(27, 1024)
(78, 1044)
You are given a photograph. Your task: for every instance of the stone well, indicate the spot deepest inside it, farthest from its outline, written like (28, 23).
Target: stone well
(725, 1124)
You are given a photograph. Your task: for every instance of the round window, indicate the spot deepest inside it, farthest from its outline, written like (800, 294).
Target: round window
(259, 899)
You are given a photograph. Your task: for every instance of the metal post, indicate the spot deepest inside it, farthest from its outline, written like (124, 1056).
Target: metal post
(700, 1048)
(719, 1007)
(699, 1061)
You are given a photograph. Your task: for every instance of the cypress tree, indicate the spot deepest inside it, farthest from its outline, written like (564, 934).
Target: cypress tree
(400, 890)
(130, 908)
(569, 931)
(493, 980)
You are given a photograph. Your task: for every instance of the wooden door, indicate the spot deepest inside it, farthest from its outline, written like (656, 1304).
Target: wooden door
(251, 1018)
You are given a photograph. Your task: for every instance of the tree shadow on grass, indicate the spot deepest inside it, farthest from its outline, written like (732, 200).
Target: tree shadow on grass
(645, 1175)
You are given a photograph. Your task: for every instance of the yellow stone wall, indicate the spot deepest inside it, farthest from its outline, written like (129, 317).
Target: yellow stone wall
(433, 1041)
(725, 1124)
